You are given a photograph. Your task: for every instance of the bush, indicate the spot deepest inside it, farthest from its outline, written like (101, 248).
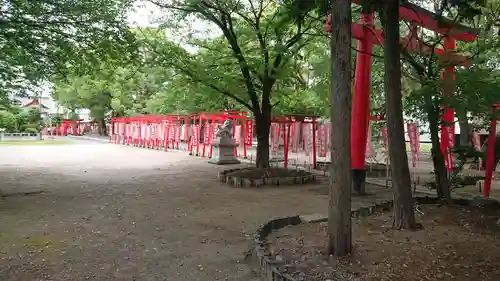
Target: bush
(8, 121)
(19, 120)
(31, 130)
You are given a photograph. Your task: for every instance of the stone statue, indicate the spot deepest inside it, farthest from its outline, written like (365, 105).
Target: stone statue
(225, 131)
(225, 145)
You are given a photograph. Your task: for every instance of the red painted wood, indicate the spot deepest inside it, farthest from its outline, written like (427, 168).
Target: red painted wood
(412, 44)
(425, 18)
(490, 158)
(361, 97)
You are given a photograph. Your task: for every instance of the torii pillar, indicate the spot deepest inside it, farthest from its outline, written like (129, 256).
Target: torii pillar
(448, 118)
(361, 104)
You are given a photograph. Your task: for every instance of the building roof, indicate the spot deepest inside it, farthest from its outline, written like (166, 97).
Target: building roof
(35, 102)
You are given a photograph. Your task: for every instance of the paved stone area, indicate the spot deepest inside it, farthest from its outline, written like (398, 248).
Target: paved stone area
(111, 212)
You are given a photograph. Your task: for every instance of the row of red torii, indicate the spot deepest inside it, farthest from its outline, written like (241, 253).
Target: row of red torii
(71, 127)
(196, 131)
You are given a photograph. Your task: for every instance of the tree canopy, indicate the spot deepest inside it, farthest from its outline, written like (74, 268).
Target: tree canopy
(40, 39)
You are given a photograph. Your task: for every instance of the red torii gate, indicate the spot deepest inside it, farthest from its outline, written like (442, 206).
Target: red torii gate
(286, 120)
(367, 36)
(75, 126)
(207, 118)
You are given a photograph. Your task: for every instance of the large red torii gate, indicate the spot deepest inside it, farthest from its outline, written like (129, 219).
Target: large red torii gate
(366, 34)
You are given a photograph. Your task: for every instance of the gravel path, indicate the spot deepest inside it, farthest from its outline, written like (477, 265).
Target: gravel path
(110, 212)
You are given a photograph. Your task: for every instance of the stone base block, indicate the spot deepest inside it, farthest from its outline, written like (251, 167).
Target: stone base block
(224, 161)
(225, 152)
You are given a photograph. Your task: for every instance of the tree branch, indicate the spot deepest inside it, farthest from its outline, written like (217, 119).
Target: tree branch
(193, 77)
(188, 9)
(256, 26)
(226, 25)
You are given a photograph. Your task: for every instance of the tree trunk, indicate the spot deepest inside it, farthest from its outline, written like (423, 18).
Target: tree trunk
(440, 172)
(102, 127)
(339, 206)
(262, 127)
(463, 122)
(404, 214)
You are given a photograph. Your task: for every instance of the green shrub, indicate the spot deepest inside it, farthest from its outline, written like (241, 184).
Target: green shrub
(31, 130)
(8, 121)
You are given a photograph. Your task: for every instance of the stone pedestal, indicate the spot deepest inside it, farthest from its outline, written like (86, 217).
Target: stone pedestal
(277, 156)
(225, 152)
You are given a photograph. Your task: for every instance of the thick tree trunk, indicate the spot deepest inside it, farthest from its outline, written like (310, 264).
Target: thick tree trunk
(440, 172)
(463, 122)
(102, 127)
(339, 207)
(262, 126)
(404, 214)
(75, 123)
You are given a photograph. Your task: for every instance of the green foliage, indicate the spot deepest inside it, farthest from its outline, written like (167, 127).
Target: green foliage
(20, 120)
(300, 101)
(169, 79)
(124, 90)
(478, 89)
(8, 121)
(255, 52)
(43, 38)
(31, 129)
(34, 116)
(54, 121)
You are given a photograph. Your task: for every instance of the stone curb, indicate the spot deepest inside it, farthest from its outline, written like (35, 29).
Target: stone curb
(103, 140)
(244, 182)
(89, 138)
(273, 270)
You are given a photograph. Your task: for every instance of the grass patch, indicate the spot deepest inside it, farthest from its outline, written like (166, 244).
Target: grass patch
(35, 143)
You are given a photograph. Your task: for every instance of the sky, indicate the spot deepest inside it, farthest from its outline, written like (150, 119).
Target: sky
(143, 15)
(146, 14)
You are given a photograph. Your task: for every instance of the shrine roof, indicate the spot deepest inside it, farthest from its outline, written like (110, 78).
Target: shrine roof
(35, 102)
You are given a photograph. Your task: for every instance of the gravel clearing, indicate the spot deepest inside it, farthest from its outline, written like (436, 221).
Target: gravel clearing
(92, 211)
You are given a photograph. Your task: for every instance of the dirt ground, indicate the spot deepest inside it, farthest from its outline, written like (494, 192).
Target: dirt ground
(92, 211)
(457, 243)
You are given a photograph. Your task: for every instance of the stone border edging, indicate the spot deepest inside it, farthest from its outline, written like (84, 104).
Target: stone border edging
(244, 182)
(272, 270)
(88, 138)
